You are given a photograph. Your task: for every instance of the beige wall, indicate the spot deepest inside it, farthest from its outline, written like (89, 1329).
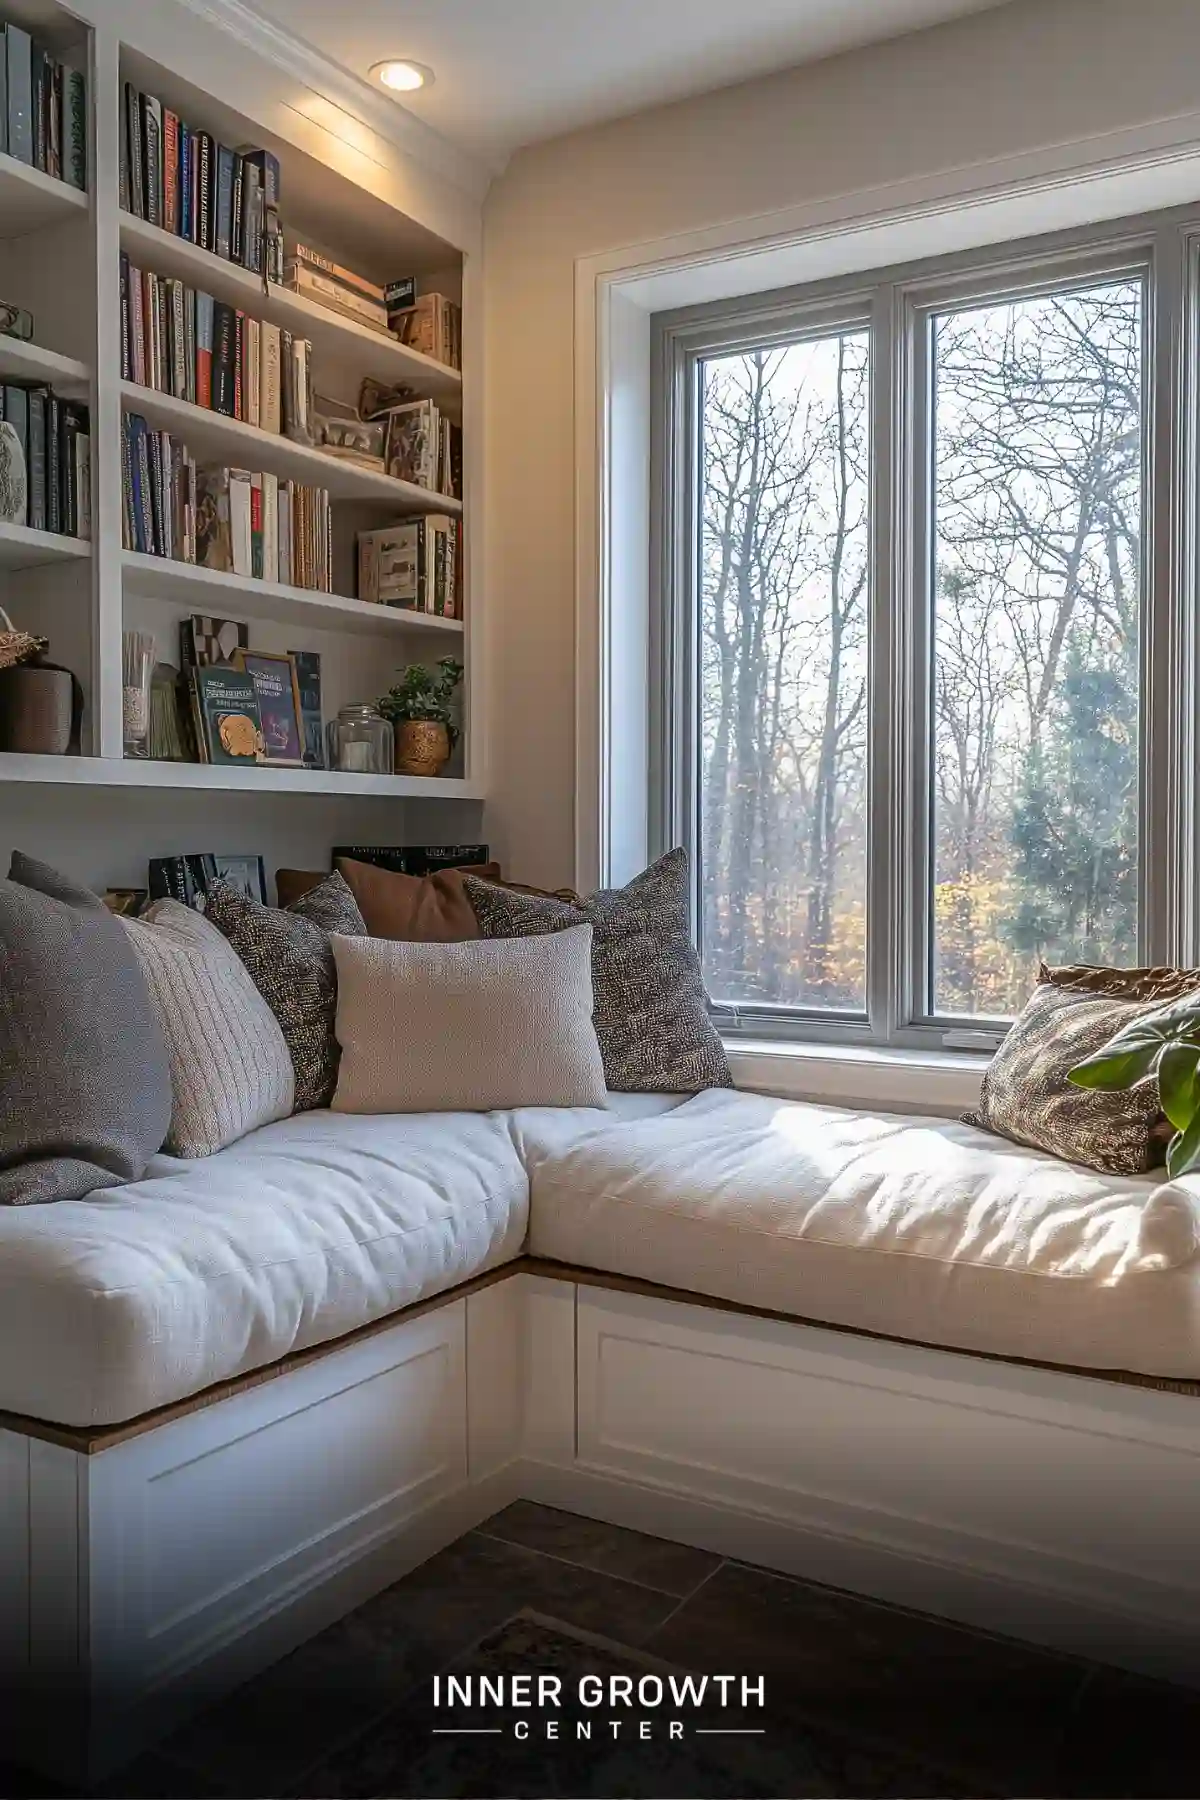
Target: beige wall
(1022, 78)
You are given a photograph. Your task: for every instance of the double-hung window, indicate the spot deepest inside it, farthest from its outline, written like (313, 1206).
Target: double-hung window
(923, 653)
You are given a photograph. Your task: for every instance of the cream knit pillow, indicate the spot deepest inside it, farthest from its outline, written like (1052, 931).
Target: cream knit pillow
(470, 1027)
(230, 1067)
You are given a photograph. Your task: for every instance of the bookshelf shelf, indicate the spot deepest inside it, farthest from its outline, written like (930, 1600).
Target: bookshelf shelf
(212, 435)
(114, 772)
(30, 362)
(211, 591)
(330, 333)
(29, 200)
(21, 548)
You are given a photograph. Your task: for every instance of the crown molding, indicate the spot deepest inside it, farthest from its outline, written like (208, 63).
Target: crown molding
(393, 122)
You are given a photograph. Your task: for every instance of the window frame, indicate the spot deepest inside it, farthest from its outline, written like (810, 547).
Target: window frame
(897, 305)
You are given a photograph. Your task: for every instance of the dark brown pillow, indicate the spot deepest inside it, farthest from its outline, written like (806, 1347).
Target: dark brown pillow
(1072, 1013)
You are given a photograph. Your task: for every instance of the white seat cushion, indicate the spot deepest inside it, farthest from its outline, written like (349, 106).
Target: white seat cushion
(307, 1228)
(924, 1229)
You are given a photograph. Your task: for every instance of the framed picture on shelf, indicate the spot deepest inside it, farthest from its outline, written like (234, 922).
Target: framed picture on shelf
(274, 677)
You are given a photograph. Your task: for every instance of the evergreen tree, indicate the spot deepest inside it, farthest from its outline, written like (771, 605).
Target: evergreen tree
(1074, 829)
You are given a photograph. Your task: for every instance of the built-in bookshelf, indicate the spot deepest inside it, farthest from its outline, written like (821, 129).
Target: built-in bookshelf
(83, 592)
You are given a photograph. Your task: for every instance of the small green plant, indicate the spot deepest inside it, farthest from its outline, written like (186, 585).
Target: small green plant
(1165, 1044)
(423, 693)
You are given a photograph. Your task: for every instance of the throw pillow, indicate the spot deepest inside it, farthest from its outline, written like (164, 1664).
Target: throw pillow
(1162, 985)
(651, 1010)
(85, 1085)
(290, 959)
(230, 1066)
(1027, 1097)
(467, 1027)
(426, 909)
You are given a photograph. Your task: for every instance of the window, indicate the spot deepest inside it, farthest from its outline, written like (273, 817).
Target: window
(919, 673)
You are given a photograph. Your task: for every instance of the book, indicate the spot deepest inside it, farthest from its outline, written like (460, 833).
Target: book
(256, 526)
(307, 665)
(431, 325)
(188, 878)
(415, 859)
(235, 224)
(253, 372)
(398, 295)
(151, 129)
(413, 443)
(18, 47)
(274, 679)
(37, 89)
(204, 350)
(224, 394)
(37, 458)
(224, 201)
(206, 642)
(3, 93)
(187, 159)
(270, 527)
(170, 219)
(241, 521)
(230, 730)
(330, 293)
(205, 222)
(266, 167)
(131, 131)
(251, 215)
(214, 543)
(74, 126)
(305, 255)
(271, 417)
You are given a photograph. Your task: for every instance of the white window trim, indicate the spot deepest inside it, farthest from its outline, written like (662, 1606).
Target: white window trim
(1123, 174)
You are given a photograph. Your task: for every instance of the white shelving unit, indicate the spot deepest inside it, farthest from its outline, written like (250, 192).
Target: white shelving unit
(60, 256)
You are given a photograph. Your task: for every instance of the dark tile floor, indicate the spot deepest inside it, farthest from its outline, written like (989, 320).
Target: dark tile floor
(862, 1699)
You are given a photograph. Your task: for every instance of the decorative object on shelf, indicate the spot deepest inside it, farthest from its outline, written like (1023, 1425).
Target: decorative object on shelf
(14, 482)
(137, 670)
(419, 707)
(15, 322)
(361, 741)
(338, 430)
(167, 742)
(274, 678)
(41, 703)
(307, 665)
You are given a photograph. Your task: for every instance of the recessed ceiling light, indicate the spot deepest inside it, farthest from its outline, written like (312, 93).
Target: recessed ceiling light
(402, 76)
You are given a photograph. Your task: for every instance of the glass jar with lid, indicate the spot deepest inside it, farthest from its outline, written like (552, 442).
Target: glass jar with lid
(361, 741)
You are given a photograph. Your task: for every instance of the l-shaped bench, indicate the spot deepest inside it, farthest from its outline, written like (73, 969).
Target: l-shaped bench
(893, 1354)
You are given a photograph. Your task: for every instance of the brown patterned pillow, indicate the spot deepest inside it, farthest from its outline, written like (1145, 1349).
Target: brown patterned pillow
(290, 959)
(1072, 1013)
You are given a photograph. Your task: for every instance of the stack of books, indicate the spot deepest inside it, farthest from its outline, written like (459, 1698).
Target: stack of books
(430, 323)
(185, 182)
(56, 439)
(199, 349)
(414, 565)
(43, 108)
(237, 521)
(423, 447)
(318, 277)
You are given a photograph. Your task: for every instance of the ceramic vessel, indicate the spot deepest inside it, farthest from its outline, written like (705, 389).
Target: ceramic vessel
(422, 747)
(40, 710)
(13, 477)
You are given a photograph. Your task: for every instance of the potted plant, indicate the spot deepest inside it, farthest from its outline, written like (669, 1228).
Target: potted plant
(419, 709)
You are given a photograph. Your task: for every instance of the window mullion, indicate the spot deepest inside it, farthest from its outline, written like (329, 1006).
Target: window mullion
(886, 910)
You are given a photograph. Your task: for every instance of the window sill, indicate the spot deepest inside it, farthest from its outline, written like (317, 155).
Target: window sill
(945, 1082)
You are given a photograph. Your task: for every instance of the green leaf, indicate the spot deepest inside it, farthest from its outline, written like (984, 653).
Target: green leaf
(1131, 1055)
(1178, 1092)
(1183, 1152)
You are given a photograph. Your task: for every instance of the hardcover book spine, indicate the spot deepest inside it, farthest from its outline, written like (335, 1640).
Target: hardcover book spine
(83, 482)
(253, 372)
(251, 217)
(126, 322)
(19, 59)
(240, 529)
(37, 90)
(236, 236)
(325, 265)
(256, 527)
(271, 412)
(224, 201)
(204, 350)
(239, 360)
(171, 172)
(54, 153)
(223, 359)
(189, 328)
(54, 480)
(206, 226)
(75, 128)
(179, 382)
(137, 303)
(186, 157)
(37, 458)
(152, 155)
(134, 151)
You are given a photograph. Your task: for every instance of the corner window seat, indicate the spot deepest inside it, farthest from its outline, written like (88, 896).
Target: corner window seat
(921, 1229)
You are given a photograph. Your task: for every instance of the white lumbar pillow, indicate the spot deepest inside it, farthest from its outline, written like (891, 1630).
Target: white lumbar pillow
(471, 1027)
(231, 1070)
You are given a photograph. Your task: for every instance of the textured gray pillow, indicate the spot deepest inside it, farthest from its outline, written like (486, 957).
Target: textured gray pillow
(85, 1082)
(651, 1010)
(290, 960)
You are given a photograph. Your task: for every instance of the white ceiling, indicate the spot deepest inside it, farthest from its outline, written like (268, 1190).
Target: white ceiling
(511, 71)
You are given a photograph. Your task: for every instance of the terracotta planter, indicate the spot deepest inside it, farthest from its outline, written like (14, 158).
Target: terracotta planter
(422, 747)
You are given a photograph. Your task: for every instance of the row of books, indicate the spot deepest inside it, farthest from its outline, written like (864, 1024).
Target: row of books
(185, 182)
(187, 344)
(431, 324)
(414, 565)
(424, 447)
(188, 878)
(56, 441)
(43, 108)
(237, 521)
